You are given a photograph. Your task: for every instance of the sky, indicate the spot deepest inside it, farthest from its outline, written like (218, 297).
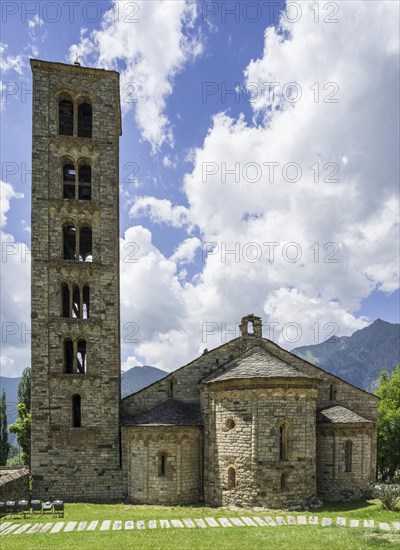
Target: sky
(259, 166)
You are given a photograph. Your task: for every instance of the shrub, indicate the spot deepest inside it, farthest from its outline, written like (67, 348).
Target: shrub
(387, 493)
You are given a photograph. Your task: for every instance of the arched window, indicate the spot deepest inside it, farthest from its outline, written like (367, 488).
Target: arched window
(69, 175)
(284, 478)
(85, 120)
(69, 242)
(65, 296)
(81, 357)
(85, 182)
(348, 456)
(66, 117)
(68, 357)
(76, 299)
(283, 442)
(231, 478)
(85, 302)
(250, 327)
(162, 464)
(76, 411)
(332, 392)
(85, 244)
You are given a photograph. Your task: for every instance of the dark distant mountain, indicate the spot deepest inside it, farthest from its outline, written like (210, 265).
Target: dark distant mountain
(137, 378)
(10, 386)
(359, 358)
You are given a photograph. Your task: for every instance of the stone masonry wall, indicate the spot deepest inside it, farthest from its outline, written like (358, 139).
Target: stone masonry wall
(142, 446)
(14, 483)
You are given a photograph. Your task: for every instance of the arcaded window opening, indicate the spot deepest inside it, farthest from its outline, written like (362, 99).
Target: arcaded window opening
(69, 175)
(283, 442)
(65, 296)
(81, 357)
(85, 244)
(76, 411)
(250, 327)
(85, 302)
(231, 478)
(85, 117)
(69, 242)
(65, 117)
(332, 392)
(76, 299)
(68, 357)
(348, 454)
(85, 183)
(162, 465)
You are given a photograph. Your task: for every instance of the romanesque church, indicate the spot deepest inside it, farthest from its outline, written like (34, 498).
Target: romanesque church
(246, 424)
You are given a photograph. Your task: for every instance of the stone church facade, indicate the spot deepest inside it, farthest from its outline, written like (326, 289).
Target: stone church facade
(247, 423)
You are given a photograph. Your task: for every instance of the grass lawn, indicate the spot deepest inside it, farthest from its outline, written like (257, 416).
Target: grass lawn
(242, 538)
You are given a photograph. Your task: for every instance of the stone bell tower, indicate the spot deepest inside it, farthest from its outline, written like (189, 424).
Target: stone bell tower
(75, 283)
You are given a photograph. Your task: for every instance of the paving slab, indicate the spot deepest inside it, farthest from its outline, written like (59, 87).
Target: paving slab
(280, 520)
(291, 520)
(176, 523)
(212, 522)
(10, 529)
(301, 520)
(326, 522)
(117, 525)
(4, 525)
(189, 523)
(270, 521)
(248, 521)
(354, 522)
(46, 527)
(200, 522)
(237, 522)
(396, 525)
(225, 522)
(35, 528)
(369, 523)
(105, 526)
(341, 522)
(152, 523)
(22, 528)
(92, 525)
(57, 527)
(313, 520)
(384, 526)
(70, 526)
(164, 524)
(82, 526)
(259, 521)
(129, 524)
(140, 525)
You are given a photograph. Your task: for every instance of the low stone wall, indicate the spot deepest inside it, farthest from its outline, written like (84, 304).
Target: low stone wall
(14, 483)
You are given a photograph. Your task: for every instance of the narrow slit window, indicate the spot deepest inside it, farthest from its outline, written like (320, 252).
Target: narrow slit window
(68, 357)
(283, 454)
(332, 392)
(85, 245)
(65, 296)
(85, 302)
(231, 478)
(76, 411)
(65, 117)
(171, 388)
(162, 464)
(85, 120)
(348, 451)
(250, 327)
(81, 357)
(85, 183)
(76, 312)
(69, 181)
(284, 478)
(69, 238)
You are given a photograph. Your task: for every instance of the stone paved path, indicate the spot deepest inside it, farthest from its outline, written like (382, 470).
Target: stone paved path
(10, 528)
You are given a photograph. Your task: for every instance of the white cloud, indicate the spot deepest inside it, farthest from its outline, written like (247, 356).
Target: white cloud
(153, 50)
(9, 62)
(344, 231)
(7, 193)
(35, 22)
(186, 251)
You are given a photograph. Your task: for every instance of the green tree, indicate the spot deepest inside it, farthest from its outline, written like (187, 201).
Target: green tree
(22, 429)
(389, 424)
(24, 388)
(4, 444)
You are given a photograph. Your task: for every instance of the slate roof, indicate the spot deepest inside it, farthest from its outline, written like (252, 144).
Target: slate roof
(258, 364)
(339, 415)
(169, 413)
